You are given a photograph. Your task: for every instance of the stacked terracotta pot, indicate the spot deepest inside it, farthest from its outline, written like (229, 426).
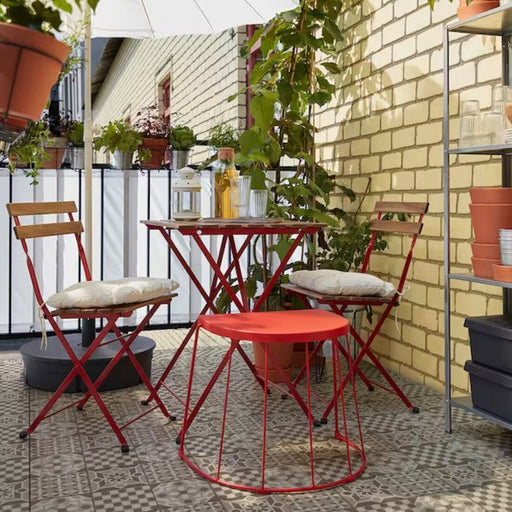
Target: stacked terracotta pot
(491, 210)
(475, 7)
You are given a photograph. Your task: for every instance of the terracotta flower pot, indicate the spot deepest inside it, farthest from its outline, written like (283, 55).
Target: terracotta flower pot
(56, 153)
(483, 267)
(488, 219)
(157, 148)
(465, 11)
(486, 251)
(31, 63)
(491, 195)
(282, 353)
(502, 273)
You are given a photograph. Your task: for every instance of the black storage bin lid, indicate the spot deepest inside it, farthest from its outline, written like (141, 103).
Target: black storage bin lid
(484, 372)
(496, 325)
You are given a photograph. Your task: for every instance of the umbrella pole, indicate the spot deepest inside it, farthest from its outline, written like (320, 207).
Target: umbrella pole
(88, 325)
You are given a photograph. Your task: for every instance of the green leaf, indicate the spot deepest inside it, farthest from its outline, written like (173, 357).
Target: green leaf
(324, 217)
(262, 110)
(250, 287)
(63, 5)
(320, 98)
(282, 247)
(250, 140)
(285, 91)
(258, 181)
(332, 67)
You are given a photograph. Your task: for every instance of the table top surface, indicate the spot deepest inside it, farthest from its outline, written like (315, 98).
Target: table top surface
(204, 225)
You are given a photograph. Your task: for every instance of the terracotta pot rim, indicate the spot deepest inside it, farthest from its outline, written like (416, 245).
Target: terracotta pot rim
(486, 259)
(33, 39)
(485, 243)
(490, 205)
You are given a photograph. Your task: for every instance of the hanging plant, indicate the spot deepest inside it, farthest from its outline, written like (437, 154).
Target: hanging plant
(31, 57)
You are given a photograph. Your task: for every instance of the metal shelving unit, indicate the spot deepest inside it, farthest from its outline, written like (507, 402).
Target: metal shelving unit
(497, 22)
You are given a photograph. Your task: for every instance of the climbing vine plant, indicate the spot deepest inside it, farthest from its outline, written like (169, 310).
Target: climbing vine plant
(285, 86)
(300, 60)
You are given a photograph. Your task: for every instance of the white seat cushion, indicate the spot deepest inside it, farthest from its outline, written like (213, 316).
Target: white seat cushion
(102, 294)
(335, 282)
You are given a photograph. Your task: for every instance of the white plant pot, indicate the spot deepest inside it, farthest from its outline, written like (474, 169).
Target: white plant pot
(74, 158)
(122, 160)
(178, 158)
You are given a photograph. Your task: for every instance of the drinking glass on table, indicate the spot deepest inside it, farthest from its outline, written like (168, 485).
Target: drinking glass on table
(240, 188)
(258, 203)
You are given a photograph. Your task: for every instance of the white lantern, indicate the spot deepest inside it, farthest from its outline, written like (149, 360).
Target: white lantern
(186, 195)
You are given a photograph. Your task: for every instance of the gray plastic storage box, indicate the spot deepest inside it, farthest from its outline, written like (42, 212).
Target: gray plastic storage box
(491, 390)
(490, 338)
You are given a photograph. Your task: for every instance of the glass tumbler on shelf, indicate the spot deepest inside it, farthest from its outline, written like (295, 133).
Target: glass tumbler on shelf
(502, 103)
(258, 203)
(470, 130)
(240, 188)
(501, 96)
(493, 131)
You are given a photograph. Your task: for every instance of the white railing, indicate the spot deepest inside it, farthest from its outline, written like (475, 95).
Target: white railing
(122, 245)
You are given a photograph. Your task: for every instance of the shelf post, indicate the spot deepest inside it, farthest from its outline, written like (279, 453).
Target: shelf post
(506, 177)
(446, 222)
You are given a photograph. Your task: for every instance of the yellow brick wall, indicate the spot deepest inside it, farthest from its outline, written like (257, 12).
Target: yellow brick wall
(204, 71)
(386, 124)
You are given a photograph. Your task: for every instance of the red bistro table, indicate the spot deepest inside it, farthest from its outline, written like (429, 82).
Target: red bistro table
(226, 229)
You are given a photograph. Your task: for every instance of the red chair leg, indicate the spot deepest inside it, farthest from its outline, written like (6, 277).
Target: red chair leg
(77, 364)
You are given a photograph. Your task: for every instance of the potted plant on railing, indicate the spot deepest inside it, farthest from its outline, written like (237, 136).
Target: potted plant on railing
(31, 59)
(223, 135)
(57, 123)
(150, 123)
(29, 150)
(120, 139)
(74, 156)
(181, 138)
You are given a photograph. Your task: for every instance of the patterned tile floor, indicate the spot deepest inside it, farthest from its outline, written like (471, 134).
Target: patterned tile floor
(73, 463)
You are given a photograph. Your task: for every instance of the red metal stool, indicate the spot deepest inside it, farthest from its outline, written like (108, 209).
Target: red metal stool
(273, 328)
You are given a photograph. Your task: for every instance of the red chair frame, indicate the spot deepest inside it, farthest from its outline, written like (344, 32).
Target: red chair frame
(339, 303)
(110, 315)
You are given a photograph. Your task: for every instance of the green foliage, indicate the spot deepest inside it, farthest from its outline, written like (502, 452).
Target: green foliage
(223, 135)
(75, 134)
(118, 135)
(29, 149)
(285, 86)
(345, 247)
(38, 15)
(182, 137)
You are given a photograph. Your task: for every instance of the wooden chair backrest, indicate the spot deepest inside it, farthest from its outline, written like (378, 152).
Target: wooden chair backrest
(49, 229)
(394, 226)
(66, 227)
(408, 227)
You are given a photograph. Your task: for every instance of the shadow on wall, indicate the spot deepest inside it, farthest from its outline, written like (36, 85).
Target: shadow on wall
(383, 107)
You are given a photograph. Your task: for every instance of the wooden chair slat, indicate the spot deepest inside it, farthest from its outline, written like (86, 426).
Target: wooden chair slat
(393, 226)
(41, 208)
(398, 207)
(41, 230)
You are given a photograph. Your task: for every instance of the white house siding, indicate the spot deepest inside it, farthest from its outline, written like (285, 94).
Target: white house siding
(204, 71)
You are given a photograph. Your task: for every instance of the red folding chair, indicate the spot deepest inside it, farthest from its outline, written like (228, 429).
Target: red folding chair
(339, 303)
(110, 314)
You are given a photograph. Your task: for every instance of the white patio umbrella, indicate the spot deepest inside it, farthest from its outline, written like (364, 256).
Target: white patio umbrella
(161, 18)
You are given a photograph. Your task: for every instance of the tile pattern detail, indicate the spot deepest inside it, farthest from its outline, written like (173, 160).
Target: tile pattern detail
(73, 463)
